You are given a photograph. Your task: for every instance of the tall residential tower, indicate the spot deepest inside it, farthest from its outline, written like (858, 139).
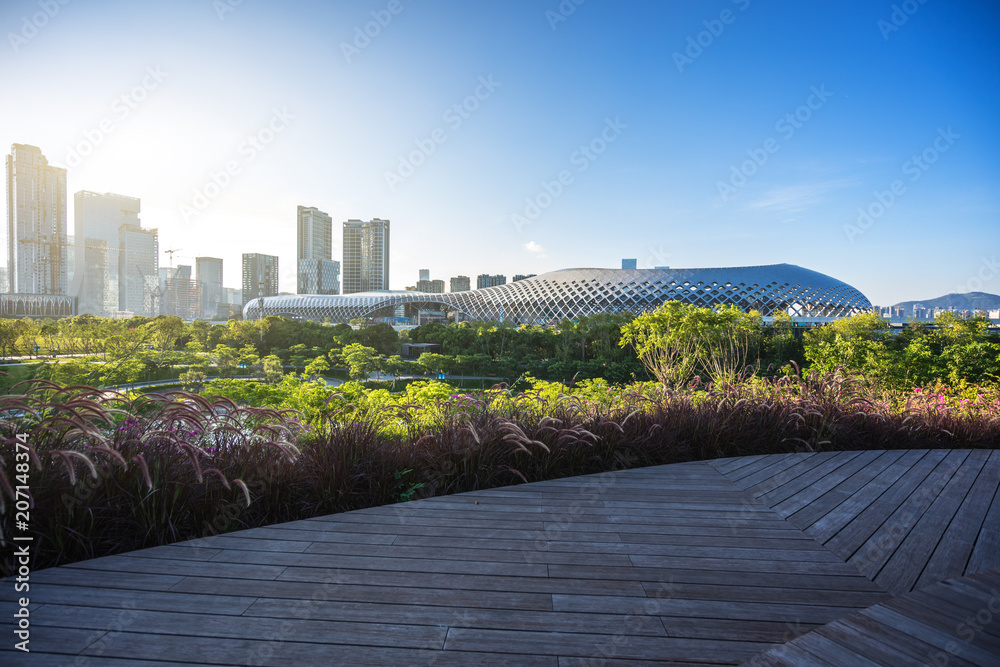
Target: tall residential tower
(318, 273)
(37, 253)
(366, 256)
(260, 276)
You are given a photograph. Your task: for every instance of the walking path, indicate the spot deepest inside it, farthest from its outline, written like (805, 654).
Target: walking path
(713, 562)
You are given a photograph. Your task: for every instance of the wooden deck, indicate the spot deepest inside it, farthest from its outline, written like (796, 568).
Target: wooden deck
(697, 563)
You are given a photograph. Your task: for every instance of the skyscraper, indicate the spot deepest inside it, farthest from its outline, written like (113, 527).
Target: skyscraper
(460, 284)
(208, 274)
(366, 256)
(98, 218)
(181, 294)
(260, 276)
(37, 255)
(629, 263)
(138, 270)
(317, 272)
(487, 280)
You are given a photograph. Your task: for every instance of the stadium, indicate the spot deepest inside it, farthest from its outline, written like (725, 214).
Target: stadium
(574, 293)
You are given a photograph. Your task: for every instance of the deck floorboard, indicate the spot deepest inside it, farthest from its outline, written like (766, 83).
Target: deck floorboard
(830, 558)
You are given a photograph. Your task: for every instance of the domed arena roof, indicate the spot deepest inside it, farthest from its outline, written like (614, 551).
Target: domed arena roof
(572, 293)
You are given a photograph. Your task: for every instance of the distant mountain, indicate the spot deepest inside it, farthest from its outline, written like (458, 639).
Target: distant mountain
(970, 301)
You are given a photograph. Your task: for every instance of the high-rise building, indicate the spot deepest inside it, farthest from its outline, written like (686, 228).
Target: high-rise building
(522, 276)
(208, 274)
(138, 270)
(366, 256)
(181, 294)
(486, 280)
(628, 263)
(460, 284)
(231, 304)
(425, 274)
(319, 276)
(318, 273)
(430, 286)
(98, 218)
(260, 276)
(37, 256)
(91, 282)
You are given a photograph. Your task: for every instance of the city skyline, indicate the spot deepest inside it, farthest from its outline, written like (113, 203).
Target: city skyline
(857, 139)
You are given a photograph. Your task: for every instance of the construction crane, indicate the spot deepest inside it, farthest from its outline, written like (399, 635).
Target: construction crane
(170, 262)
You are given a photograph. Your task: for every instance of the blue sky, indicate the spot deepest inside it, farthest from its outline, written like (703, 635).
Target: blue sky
(667, 123)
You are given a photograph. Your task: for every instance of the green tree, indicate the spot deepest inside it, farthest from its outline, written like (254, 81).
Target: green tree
(361, 360)
(193, 380)
(317, 367)
(677, 341)
(273, 369)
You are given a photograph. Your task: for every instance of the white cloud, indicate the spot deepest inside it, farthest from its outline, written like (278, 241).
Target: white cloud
(796, 198)
(531, 246)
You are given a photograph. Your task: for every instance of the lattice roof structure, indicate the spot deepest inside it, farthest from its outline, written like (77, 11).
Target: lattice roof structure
(572, 293)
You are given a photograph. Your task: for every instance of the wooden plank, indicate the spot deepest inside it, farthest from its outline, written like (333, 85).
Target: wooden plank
(599, 646)
(810, 494)
(734, 577)
(874, 645)
(734, 463)
(904, 567)
(162, 566)
(287, 562)
(952, 554)
(794, 485)
(915, 650)
(463, 582)
(593, 621)
(454, 552)
(98, 597)
(986, 553)
(734, 553)
(863, 525)
(764, 481)
(763, 476)
(194, 624)
(821, 506)
(762, 463)
(706, 609)
(836, 519)
(277, 651)
(941, 640)
(331, 590)
(36, 659)
(822, 647)
(747, 566)
(879, 548)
